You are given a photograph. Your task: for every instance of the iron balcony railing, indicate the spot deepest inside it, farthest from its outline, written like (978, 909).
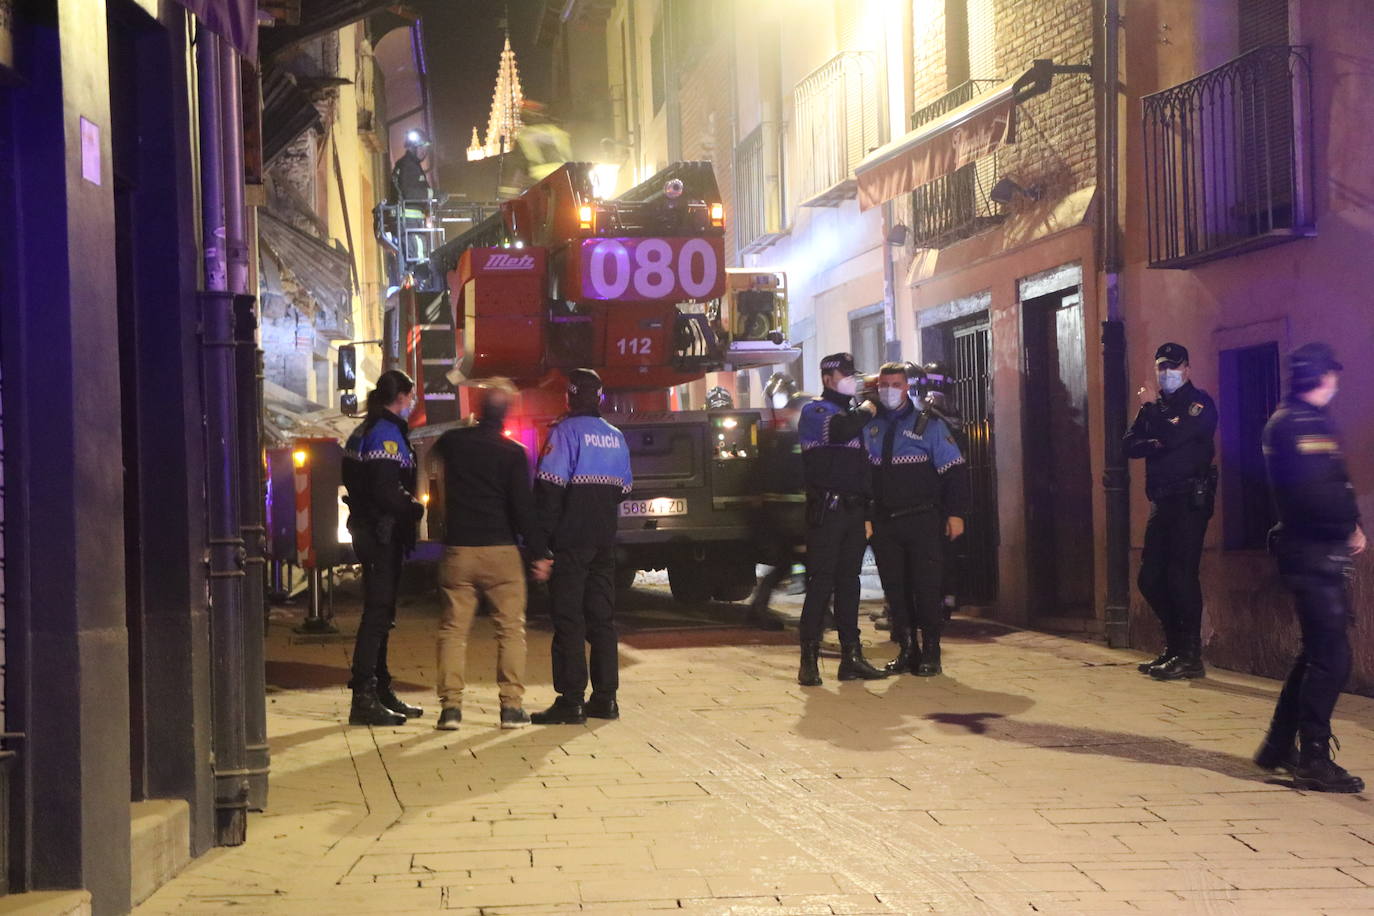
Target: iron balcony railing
(749, 202)
(954, 206)
(1228, 158)
(837, 125)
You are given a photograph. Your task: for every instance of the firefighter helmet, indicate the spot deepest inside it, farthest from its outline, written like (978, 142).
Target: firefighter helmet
(719, 399)
(780, 389)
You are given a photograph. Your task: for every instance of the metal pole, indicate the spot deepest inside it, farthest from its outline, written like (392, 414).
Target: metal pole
(221, 485)
(1116, 477)
(247, 366)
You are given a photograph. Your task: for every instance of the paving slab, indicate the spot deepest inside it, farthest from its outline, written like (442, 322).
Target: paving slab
(1038, 774)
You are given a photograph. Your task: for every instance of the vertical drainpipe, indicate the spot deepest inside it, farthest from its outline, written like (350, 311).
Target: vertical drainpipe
(1115, 478)
(247, 372)
(225, 540)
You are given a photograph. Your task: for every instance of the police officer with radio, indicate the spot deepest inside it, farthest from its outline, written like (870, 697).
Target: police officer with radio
(920, 492)
(584, 473)
(379, 474)
(1173, 433)
(1314, 541)
(838, 491)
(933, 386)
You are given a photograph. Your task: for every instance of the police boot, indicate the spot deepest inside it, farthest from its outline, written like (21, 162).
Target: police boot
(1162, 659)
(566, 710)
(1186, 665)
(1318, 772)
(905, 647)
(1276, 754)
(368, 710)
(809, 674)
(387, 697)
(853, 665)
(929, 665)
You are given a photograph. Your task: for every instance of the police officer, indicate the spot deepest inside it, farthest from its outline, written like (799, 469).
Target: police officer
(1317, 535)
(584, 473)
(920, 491)
(934, 386)
(379, 474)
(838, 489)
(1173, 433)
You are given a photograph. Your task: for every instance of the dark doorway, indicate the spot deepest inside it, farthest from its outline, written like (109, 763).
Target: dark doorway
(964, 347)
(124, 133)
(1058, 478)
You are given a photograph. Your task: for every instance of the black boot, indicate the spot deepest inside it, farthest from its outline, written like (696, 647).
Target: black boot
(602, 706)
(809, 674)
(1162, 658)
(905, 648)
(1276, 754)
(368, 710)
(853, 665)
(930, 654)
(387, 697)
(1318, 772)
(564, 711)
(1186, 665)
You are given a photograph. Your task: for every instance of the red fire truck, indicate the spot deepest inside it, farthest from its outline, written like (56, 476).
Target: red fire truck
(636, 288)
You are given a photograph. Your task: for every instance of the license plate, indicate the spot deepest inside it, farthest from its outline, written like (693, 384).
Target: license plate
(652, 508)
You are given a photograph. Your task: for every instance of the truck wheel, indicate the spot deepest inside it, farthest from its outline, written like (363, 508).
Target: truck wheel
(625, 578)
(690, 582)
(735, 581)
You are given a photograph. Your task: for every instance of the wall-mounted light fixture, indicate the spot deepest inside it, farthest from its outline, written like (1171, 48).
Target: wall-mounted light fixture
(1005, 191)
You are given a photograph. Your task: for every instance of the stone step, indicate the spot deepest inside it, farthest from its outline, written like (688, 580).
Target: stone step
(47, 903)
(160, 834)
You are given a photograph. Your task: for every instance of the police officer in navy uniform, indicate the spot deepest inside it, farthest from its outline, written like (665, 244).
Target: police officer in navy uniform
(1317, 535)
(584, 473)
(779, 525)
(1173, 433)
(920, 492)
(379, 474)
(933, 384)
(838, 491)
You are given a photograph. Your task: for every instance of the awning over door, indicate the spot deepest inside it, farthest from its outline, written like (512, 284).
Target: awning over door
(969, 132)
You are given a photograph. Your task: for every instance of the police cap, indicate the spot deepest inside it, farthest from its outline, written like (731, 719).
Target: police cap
(583, 381)
(1171, 353)
(1312, 361)
(838, 362)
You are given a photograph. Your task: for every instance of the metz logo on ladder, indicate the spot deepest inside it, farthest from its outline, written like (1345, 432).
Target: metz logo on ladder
(649, 269)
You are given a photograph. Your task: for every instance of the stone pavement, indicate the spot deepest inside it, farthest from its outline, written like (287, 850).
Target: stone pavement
(1039, 775)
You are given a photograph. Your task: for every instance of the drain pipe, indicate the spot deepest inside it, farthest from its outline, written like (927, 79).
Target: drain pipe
(1116, 478)
(225, 540)
(247, 377)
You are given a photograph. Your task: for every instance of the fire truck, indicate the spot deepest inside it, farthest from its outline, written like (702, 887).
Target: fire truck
(636, 288)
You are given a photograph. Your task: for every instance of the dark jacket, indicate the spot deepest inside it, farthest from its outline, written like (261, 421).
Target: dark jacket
(379, 474)
(584, 473)
(917, 464)
(408, 180)
(1307, 477)
(488, 500)
(1174, 435)
(832, 445)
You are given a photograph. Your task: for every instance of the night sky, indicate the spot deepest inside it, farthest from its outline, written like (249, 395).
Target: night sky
(463, 44)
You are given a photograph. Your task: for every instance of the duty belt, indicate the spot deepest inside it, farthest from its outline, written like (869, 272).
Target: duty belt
(834, 498)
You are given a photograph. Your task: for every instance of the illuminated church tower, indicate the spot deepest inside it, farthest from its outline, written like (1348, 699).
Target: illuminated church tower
(504, 121)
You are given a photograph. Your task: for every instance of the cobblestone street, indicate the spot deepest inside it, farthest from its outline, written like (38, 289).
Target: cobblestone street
(1039, 774)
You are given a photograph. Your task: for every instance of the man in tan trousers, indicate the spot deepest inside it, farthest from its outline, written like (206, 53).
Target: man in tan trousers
(489, 518)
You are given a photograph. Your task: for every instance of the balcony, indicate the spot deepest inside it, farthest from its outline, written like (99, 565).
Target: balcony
(954, 206)
(755, 228)
(1228, 159)
(836, 127)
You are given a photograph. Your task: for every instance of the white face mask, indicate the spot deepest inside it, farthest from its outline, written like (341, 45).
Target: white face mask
(1170, 380)
(848, 385)
(892, 398)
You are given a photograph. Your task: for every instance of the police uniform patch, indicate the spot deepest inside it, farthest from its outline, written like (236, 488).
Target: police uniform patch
(391, 447)
(1317, 445)
(1194, 409)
